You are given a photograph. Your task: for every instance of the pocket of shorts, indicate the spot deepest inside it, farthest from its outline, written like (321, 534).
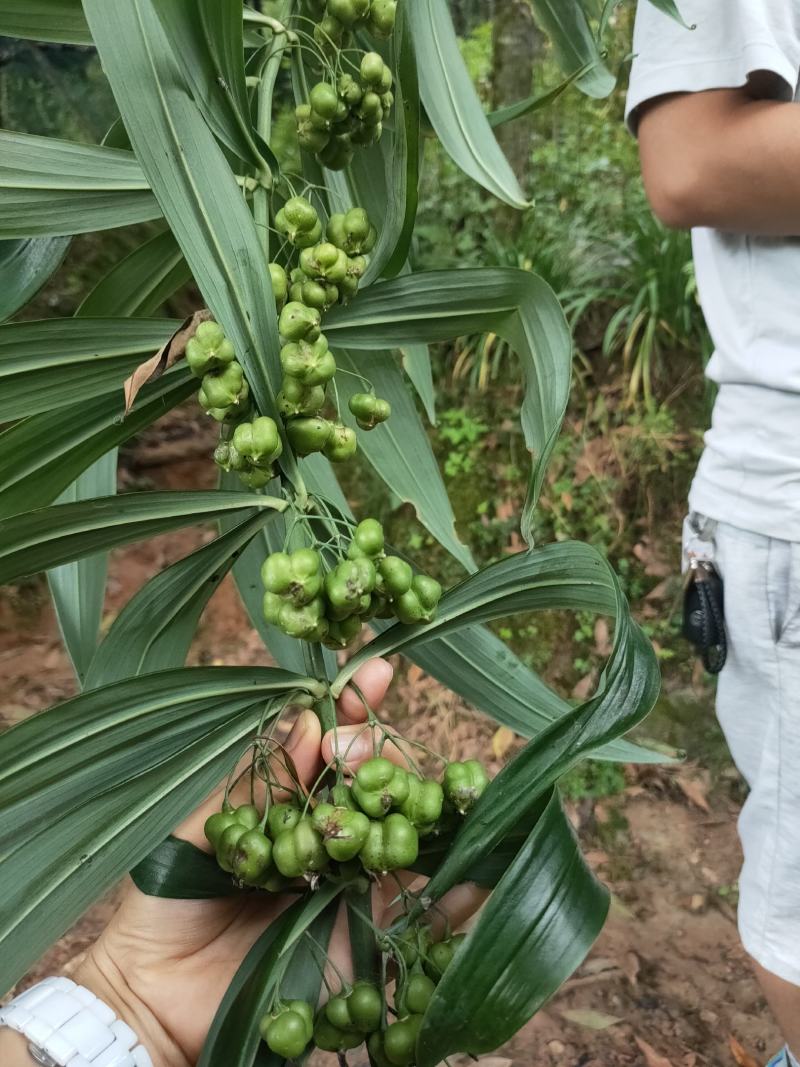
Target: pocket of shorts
(787, 620)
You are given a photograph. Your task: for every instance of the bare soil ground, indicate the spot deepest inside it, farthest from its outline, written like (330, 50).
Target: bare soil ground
(667, 985)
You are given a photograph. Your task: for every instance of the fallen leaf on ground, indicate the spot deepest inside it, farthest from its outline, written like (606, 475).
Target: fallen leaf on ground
(590, 1019)
(502, 741)
(651, 1057)
(742, 1057)
(631, 966)
(694, 791)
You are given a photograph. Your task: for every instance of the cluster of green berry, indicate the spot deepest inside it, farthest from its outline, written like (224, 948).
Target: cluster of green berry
(329, 272)
(378, 820)
(338, 18)
(224, 393)
(358, 1012)
(306, 602)
(337, 118)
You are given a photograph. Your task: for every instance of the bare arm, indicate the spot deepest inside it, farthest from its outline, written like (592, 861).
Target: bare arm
(723, 159)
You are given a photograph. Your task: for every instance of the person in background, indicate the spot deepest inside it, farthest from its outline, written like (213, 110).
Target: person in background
(714, 107)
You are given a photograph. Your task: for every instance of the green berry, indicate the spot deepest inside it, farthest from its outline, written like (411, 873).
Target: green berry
(341, 445)
(307, 435)
(299, 323)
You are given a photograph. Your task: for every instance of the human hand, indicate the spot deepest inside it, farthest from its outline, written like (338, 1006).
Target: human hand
(164, 965)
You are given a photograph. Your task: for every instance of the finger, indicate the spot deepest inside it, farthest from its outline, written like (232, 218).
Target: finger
(355, 744)
(373, 679)
(302, 746)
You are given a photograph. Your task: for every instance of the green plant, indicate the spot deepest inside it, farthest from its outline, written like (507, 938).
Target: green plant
(92, 787)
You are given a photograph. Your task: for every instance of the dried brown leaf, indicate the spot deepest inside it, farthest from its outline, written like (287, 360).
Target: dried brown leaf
(651, 1057)
(740, 1054)
(694, 791)
(590, 1019)
(168, 354)
(502, 741)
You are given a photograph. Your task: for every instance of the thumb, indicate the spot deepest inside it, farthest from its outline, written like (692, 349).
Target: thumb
(303, 749)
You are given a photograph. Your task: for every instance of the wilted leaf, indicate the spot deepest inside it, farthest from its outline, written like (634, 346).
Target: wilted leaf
(164, 358)
(742, 1057)
(652, 1058)
(694, 791)
(590, 1019)
(502, 741)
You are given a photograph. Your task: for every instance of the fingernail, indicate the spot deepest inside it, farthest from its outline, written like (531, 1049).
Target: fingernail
(298, 731)
(353, 743)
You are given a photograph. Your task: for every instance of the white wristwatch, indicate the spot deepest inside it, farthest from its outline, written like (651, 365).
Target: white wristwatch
(67, 1026)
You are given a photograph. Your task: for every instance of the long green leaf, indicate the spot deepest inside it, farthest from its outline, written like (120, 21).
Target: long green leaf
(669, 7)
(567, 575)
(203, 37)
(50, 187)
(399, 449)
(141, 282)
(179, 870)
(234, 1038)
(47, 537)
(535, 930)
(566, 24)
(453, 106)
(51, 363)
(155, 628)
(533, 103)
(78, 589)
(60, 21)
(77, 749)
(477, 664)
(88, 788)
(25, 266)
(194, 185)
(40, 456)
(441, 305)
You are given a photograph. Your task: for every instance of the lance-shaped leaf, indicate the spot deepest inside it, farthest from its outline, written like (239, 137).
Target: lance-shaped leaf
(206, 40)
(40, 456)
(566, 24)
(178, 870)
(88, 788)
(155, 628)
(194, 185)
(50, 187)
(453, 106)
(54, 362)
(477, 664)
(78, 589)
(75, 750)
(88, 433)
(141, 282)
(669, 7)
(60, 21)
(400, 450)
(25, 266)
(571, 576)
(233, 1039)
(440, 305)
(48, 537)
(533, 103)
(535, 930)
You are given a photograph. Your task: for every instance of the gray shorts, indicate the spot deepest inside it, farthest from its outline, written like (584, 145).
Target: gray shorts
(758, 704)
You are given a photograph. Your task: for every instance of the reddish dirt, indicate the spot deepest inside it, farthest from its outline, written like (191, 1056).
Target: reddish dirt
(667, 985)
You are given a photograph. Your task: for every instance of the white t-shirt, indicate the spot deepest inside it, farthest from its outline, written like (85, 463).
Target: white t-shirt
(749, 474)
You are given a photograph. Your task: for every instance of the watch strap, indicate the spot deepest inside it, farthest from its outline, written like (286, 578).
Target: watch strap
(68, 1026)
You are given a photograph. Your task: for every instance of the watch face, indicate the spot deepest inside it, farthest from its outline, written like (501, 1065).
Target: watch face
(41, 1057)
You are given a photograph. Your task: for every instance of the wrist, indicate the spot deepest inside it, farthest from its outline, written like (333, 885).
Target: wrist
(98, 973)
(14, 1049)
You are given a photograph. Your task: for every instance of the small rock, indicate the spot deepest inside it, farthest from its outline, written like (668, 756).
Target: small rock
(555, 1048)
(710, 1018)
(698, 903)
